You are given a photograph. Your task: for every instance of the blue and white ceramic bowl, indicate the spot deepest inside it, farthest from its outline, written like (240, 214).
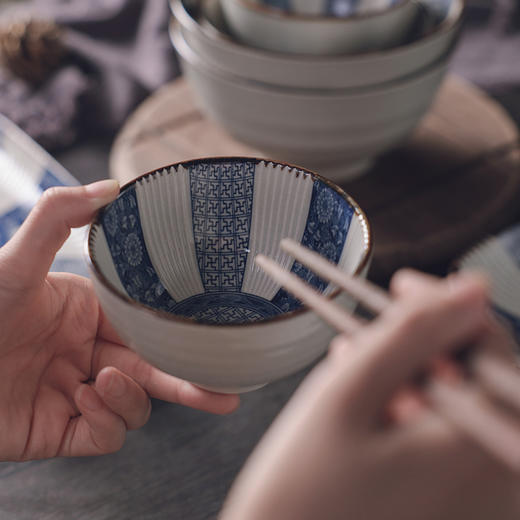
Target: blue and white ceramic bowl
(206, 33)
(173, 265)
(498, 258)
(26, 171)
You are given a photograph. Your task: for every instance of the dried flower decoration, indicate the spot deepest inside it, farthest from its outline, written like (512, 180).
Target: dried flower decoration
(31, 49)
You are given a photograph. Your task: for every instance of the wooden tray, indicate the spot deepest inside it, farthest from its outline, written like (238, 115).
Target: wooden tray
(456, 180)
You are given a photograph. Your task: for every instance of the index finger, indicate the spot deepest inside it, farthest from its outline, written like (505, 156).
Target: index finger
(157, 383)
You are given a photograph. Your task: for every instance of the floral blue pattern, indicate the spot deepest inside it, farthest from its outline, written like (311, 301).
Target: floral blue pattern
(222, 199)
(122, 226)
(226, 307)
(326, 230)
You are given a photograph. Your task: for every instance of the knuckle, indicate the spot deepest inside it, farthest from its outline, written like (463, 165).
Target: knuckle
(51, 197)
(115, 442)
(144, 418)
(143, 372)
(413, 318)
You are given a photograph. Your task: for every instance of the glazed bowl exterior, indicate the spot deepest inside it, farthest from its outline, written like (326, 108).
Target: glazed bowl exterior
(172, 261)
(274, 30)
(337, 133)
(204, 29)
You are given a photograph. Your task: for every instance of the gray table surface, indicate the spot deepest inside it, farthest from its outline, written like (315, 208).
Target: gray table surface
(181, 464)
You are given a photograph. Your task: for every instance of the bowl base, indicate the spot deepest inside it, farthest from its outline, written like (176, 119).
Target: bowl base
(345, 172)
(230, 389)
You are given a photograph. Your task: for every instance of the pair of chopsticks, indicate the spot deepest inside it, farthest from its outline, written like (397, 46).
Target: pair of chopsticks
(465, 409)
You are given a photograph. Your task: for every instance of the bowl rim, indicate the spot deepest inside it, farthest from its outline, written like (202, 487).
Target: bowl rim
(186, 53)
(181, 13)
(278, 13)
(285, 167)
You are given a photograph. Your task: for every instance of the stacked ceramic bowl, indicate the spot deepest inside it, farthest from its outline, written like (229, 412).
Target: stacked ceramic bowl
(329, 89)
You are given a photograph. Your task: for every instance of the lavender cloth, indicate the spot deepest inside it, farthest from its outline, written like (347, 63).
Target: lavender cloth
(488, 53)
(119, 52)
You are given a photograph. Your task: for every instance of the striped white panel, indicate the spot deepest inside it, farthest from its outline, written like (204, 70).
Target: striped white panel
(104, 260)
(353, 248)
(165, 210)
(281, 203)
(29, 156)
(17, 185)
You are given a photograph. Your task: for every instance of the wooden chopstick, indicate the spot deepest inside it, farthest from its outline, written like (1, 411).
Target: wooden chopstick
(467, 409)
(491, 429)
(332, 314)
(370, 295)
(499, 378)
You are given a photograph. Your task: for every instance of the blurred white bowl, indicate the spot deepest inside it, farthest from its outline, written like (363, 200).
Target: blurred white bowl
(204, 29)
(271, 29)
(336, 132)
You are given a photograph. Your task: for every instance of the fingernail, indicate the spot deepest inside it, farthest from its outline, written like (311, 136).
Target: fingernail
(103, 192)
(116, 386)
(89, 398)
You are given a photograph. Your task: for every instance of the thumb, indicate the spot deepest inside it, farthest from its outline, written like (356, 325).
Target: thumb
(31, 251)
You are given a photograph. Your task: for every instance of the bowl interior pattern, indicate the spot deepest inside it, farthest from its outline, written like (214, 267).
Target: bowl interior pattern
(183, 239)
(339, 8)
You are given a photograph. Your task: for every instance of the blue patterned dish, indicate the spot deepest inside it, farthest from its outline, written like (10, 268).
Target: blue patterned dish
(26, 170)
(498, 258)
(179, 244)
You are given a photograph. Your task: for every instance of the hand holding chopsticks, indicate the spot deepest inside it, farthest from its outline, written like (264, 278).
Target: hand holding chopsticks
(473, 404)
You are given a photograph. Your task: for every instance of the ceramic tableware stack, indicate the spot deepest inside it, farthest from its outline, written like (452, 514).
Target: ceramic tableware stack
(327, 86)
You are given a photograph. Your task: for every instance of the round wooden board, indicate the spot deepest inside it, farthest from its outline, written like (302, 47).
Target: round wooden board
(455, 180)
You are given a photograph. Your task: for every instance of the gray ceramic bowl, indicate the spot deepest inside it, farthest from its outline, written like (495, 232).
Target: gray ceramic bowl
(335, 132)
(205, 31)
(267, 28)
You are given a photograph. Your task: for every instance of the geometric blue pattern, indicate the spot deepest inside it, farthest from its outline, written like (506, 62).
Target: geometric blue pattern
(326, 230)
(226, 308)
(122, 227)
(221, 200)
